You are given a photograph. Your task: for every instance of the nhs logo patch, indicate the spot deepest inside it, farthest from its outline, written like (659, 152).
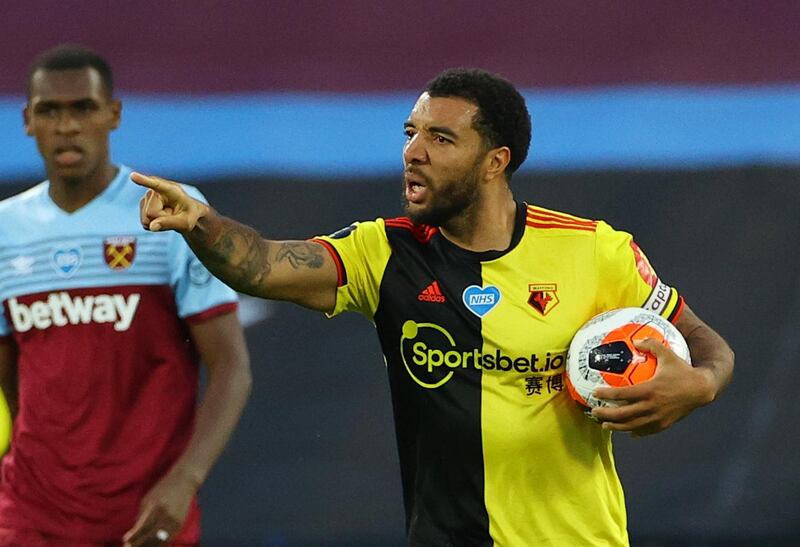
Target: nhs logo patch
(67, 259)
(480, 301)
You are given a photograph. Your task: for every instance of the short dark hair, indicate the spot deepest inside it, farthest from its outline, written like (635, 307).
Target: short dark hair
(502, 118)
(70, 57)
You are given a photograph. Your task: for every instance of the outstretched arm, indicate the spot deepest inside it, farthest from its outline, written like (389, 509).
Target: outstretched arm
(299, 271)
(676, 389)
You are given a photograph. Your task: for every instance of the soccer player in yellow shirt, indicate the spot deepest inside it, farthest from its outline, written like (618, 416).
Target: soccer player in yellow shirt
(475, 296)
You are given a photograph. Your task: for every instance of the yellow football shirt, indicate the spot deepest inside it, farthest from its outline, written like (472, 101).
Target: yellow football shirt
(5, 424)
(493, 451)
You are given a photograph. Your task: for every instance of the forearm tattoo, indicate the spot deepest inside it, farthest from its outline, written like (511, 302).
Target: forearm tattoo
(240, 257)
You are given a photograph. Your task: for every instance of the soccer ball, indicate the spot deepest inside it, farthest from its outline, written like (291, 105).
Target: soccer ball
(602, 352)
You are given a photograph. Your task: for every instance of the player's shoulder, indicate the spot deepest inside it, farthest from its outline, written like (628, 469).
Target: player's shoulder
(552, 222)
(367, 232)
(543, 222)
(18, 213)
(23, 202)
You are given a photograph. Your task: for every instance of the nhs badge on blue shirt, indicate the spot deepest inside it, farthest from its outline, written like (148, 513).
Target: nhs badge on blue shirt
(67, 259)
(481, 300)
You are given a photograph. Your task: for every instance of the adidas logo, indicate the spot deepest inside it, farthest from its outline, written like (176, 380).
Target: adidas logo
(432, 293)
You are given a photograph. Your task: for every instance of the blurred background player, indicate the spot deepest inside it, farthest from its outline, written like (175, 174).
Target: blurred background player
(104, 327)
(475, 297)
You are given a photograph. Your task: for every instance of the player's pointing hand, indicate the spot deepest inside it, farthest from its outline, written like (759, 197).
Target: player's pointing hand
(167, 206)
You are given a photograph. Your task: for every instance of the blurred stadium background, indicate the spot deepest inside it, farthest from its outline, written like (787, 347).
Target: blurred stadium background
(678, 121)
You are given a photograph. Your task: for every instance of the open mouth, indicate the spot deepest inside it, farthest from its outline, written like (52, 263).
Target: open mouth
(67, 156)
(415, 186)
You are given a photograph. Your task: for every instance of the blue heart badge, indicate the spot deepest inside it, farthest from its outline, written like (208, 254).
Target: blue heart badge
(480, 301)
(67, 260)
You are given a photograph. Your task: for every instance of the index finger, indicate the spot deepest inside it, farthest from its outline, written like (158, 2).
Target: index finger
(143, 523)
(163, 186)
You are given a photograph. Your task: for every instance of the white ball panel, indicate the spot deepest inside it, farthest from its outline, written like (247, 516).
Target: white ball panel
(585, 379)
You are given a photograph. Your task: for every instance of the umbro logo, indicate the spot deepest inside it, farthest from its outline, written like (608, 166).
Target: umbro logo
(432, 293)
(22, 265)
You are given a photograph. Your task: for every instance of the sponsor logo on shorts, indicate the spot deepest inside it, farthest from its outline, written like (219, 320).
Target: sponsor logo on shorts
(60, 309)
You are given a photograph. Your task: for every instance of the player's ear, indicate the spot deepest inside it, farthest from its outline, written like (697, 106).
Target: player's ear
(26, 119)
(116, 113)
(497, 160)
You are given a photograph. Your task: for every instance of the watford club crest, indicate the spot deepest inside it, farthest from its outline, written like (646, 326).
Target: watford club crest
(119, 252)
(544, 297)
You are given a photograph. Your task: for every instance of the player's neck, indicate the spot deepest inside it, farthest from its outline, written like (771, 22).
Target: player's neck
(488, 225)
(72, 194)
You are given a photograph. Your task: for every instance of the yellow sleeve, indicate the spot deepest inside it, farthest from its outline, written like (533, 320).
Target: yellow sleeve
(361, 252)
(626, 278)
(5, 424)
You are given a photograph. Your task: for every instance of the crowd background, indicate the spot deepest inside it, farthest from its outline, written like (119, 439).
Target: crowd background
(678, 121)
